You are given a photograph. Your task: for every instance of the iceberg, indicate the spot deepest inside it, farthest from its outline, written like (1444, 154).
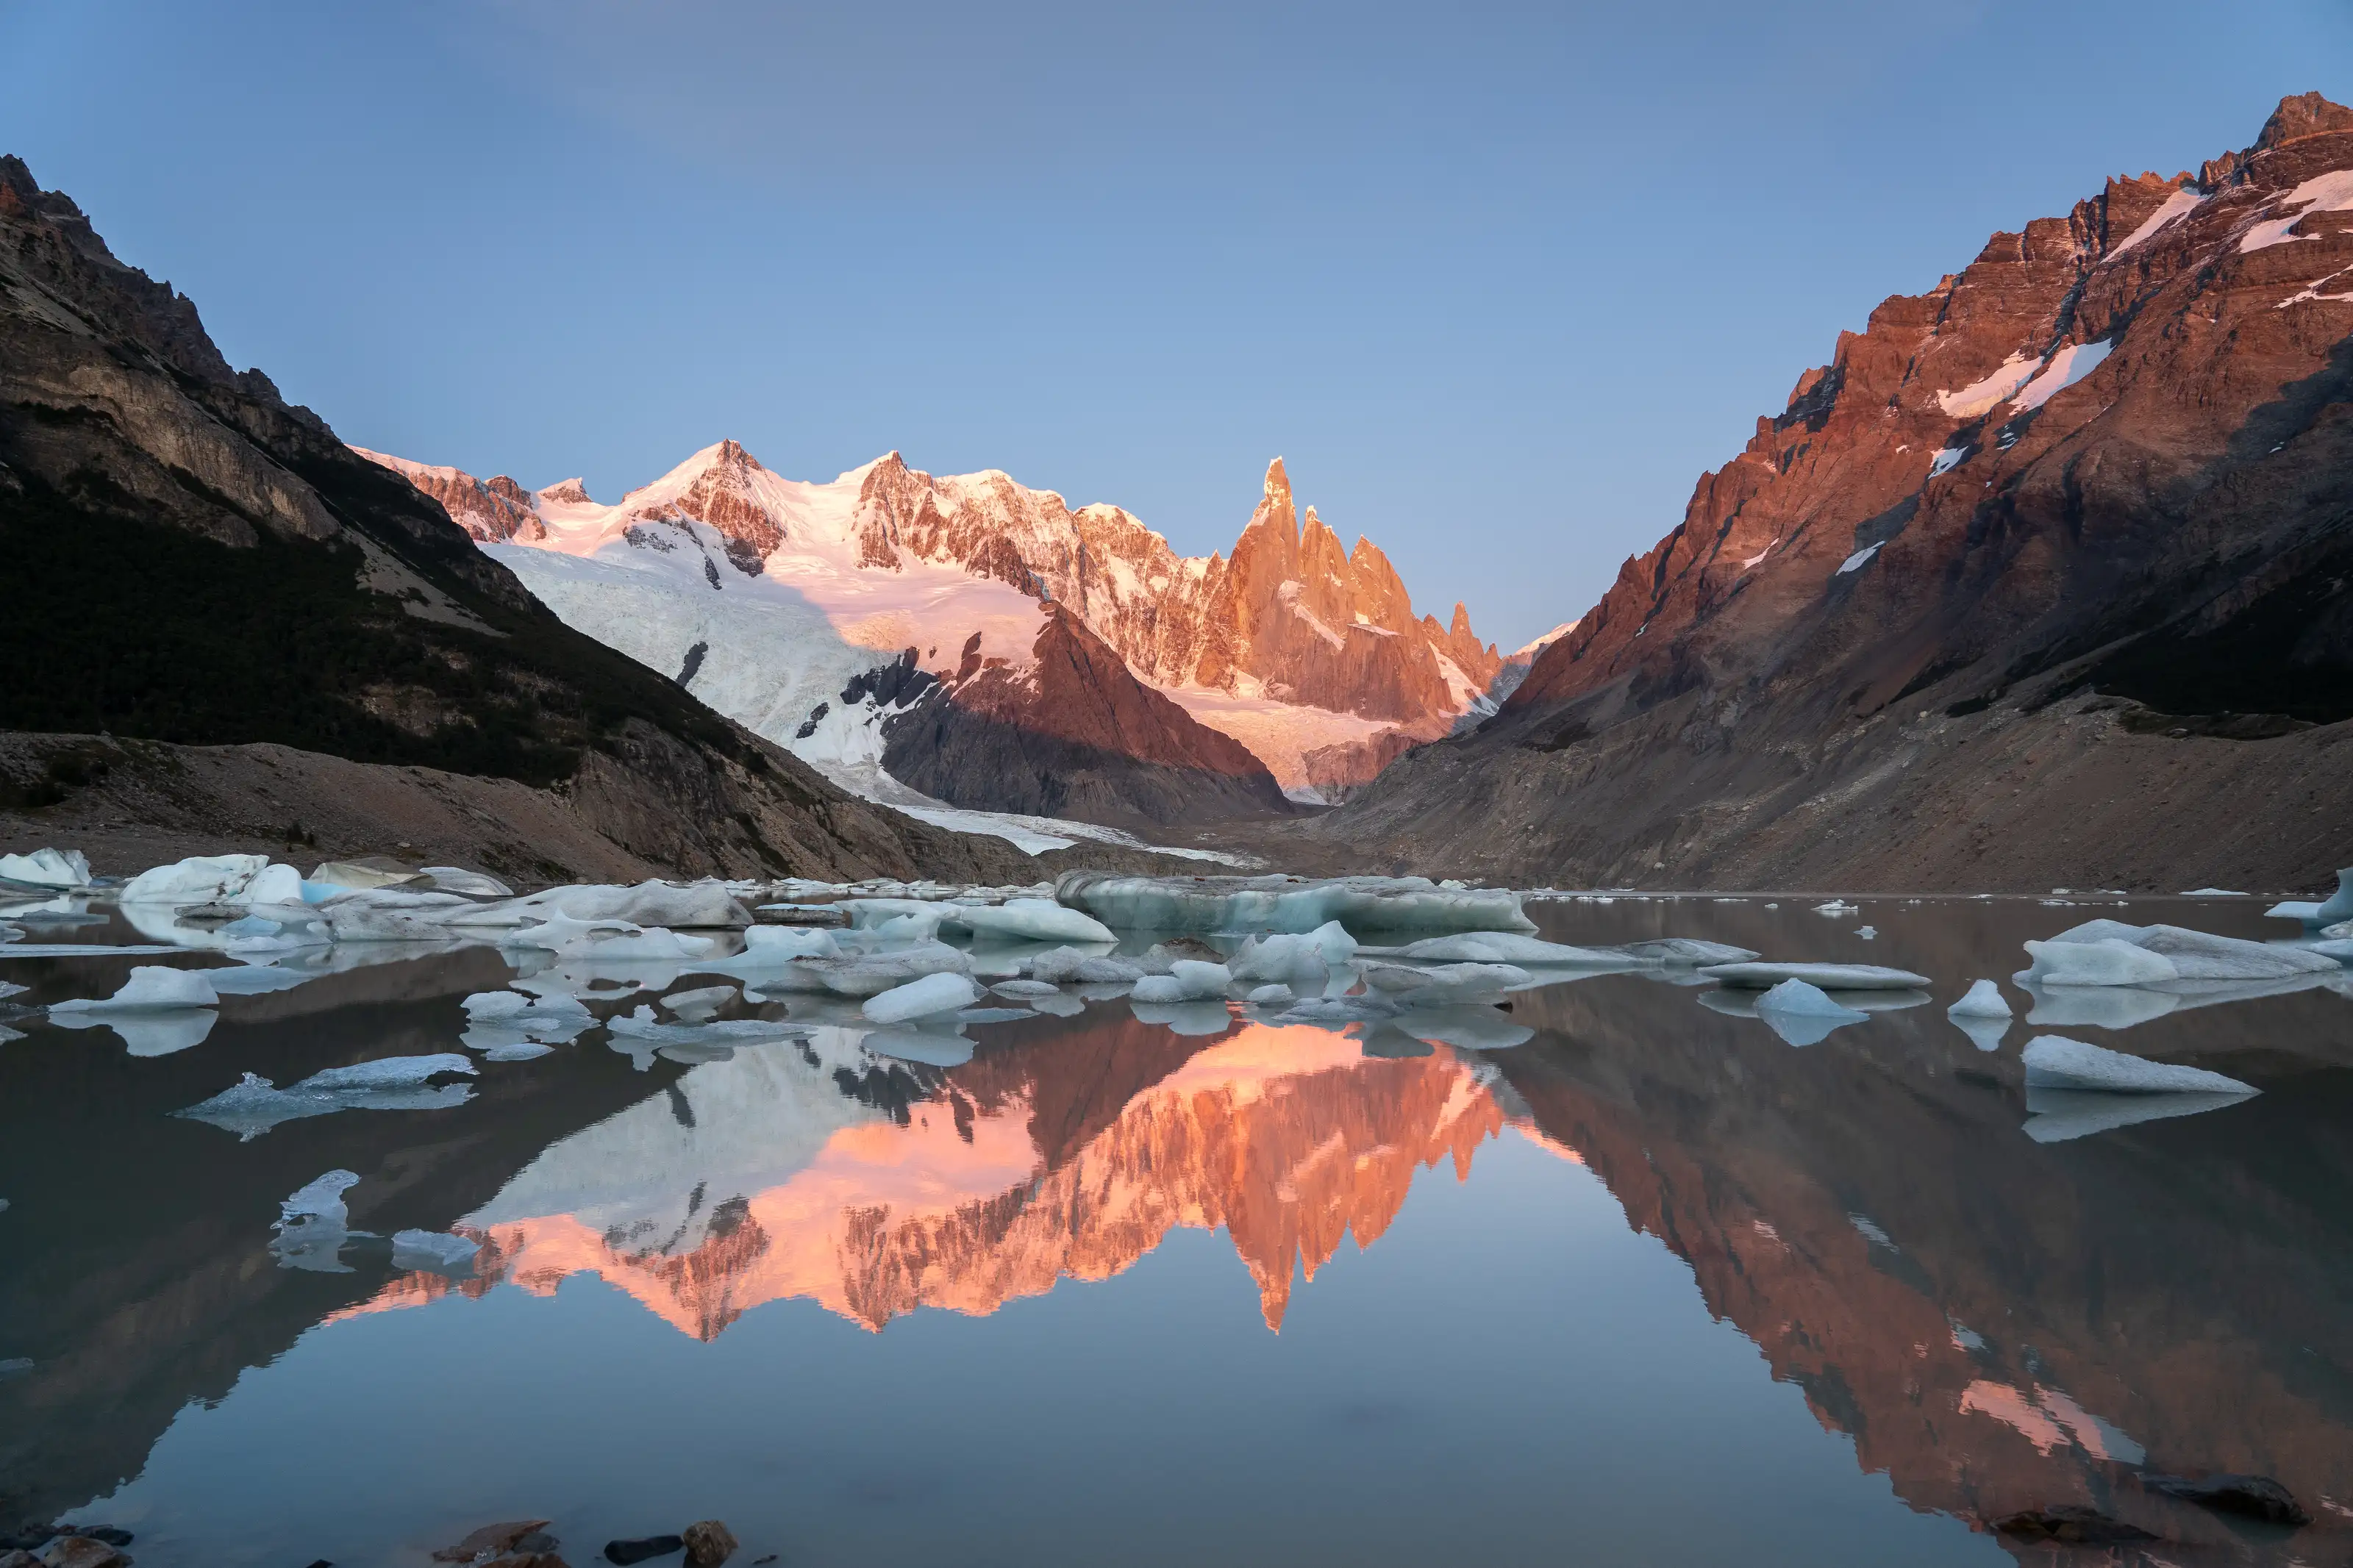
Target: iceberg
(1026, 990)
(255, 1105)
(1030, 919)
(1984, 1000)
(349, 874)
(433, 1251)
(1758, 976)
(1066, 964)
(1683, 949)
(1506, 947)
(312, 1225)
(2340, 904)
(765, 942)
(199, 879)
(691, 904)
(1187, 980)
(1274, 995)
(1288, 905)
(474, 884)
(2108, 960)
(66, 868)
(942, 991)
(1445, 982)
(1803, 1015)
(870, 974)
(2054, 1061)
(2339, 949)
(2200, 955)
(150, 988)
(1279, 956)
(2056, 1115)
(1834, 909)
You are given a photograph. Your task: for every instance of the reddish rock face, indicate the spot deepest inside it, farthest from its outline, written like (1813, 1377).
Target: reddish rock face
(2110, 455)
(721, 496)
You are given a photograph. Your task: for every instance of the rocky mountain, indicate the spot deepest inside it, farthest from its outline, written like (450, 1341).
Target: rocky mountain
(187, 558)
(1291, 644)
(2043, 579)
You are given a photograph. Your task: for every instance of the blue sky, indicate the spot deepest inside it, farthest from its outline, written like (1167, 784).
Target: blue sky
(1497, 281)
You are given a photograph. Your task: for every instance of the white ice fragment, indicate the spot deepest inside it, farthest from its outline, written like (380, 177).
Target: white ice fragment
(2297, 910)
(2340, 904)
(1758, 975)
(47, 869)
(2054, 1061)
(2108, 961)
(1445, 982)
(1287, 904)
(1029, 919)
(1507, 947)
(321, 1198)
(766, 942)
(1803, 1015)
(1835, 908)
(657, 942)
(2063, 369)
(254, 1105)
(312, 1225)
(150, 988)
(2337, 948)
(434, 1251)
(1199, 979)
(943, 991)
(1026, 990)
(200, 878)
(1068, 965)
(2213, 893)
(1683, 949)
(1984, 1000)
(1274, 995)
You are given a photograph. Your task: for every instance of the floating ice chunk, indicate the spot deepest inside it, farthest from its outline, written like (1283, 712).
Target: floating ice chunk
(1275, 996)
(1282, 956)
(1757, 977)
(691, 904)
(699, 1005)
(1032, 920)
(766, 942)
(457, 879)
(150, 988)
(1835, 908)
(12, 933)
(434, 1251)
(2201, 955)
(2340, 904)
(1065, 964)
(200, 878)
(255, 1105)
(942, 991)
(1154, 988)
(1507, 947)
(1445, 982)
(273, 884)
(2297, 910)
(1196, 978)
(2213, 893)
(873, 974)
(656, 942)
(2054, 1061)
(47, 869)
(1868, 933)
(1984, 1000)
(1026, 990)
(349, 874)
(1803, 1015)
(312, 1225)
(1288, 905)
(2056, 1115)
(2108, 961)
(2339, 948)
(8, 990)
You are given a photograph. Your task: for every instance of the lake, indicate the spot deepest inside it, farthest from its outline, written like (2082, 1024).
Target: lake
(1651, 1286)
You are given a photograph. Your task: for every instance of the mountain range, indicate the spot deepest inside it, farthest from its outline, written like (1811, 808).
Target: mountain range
(2042, 579)
(984, 644)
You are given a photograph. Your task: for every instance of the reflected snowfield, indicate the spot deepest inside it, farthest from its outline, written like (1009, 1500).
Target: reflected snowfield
(1636, 1271)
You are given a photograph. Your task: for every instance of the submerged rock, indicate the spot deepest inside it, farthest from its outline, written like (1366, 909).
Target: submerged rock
(644, 1548)
(2251, 1496)
(493, 1540)
(2071, 1524)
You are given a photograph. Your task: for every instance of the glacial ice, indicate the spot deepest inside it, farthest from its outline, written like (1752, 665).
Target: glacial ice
(2106, 961)
(1026, 990)
(2297, 910)
(1187, 980)
(870, 974)
(2339, 948)
(1286, 904)
(312, 1225)
(1803, 1015)
(1835, 908)
(2201, 955)
(942, 991)
(1282, 956)
(1984, 1000)
(66, 868)
(1032, 920)
(1507, 947)
(198, 880)
(1682, 950)
(1067, 965)
(255, 1105)
(1275, 996)
(763, 943)
(699, 1006)
(433, 1251)
(706, 904)
(346, 874)
(653, 942)
(457, 879)
(152, 988)
(2054, 1061)
(1443, 982)
(2340, 904)
(1759, 976)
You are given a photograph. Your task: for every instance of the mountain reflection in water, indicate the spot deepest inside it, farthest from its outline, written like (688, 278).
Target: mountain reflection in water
(1994, 1323)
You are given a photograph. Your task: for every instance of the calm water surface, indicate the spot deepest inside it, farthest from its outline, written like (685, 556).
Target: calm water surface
(1653, 1287)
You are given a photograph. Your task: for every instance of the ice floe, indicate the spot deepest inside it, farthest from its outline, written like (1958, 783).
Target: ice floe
(942, 991)
(254, 1105)
(1681, 950)
(198, 880)
(65, 868)
(1756, 976)
(2201, 955)
(1508, 947)
(434, 1251)
(2054, 1061)
(312, 1225)
(1286, 904)
(1983, 1015)
(2106, 961)
(1803, 1013)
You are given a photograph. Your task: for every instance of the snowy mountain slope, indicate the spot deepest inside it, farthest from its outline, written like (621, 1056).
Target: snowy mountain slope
(1507, 677)
(2043, 579)
(793, 589)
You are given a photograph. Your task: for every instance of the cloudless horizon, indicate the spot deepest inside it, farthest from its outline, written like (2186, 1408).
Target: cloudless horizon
(1497, 282)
